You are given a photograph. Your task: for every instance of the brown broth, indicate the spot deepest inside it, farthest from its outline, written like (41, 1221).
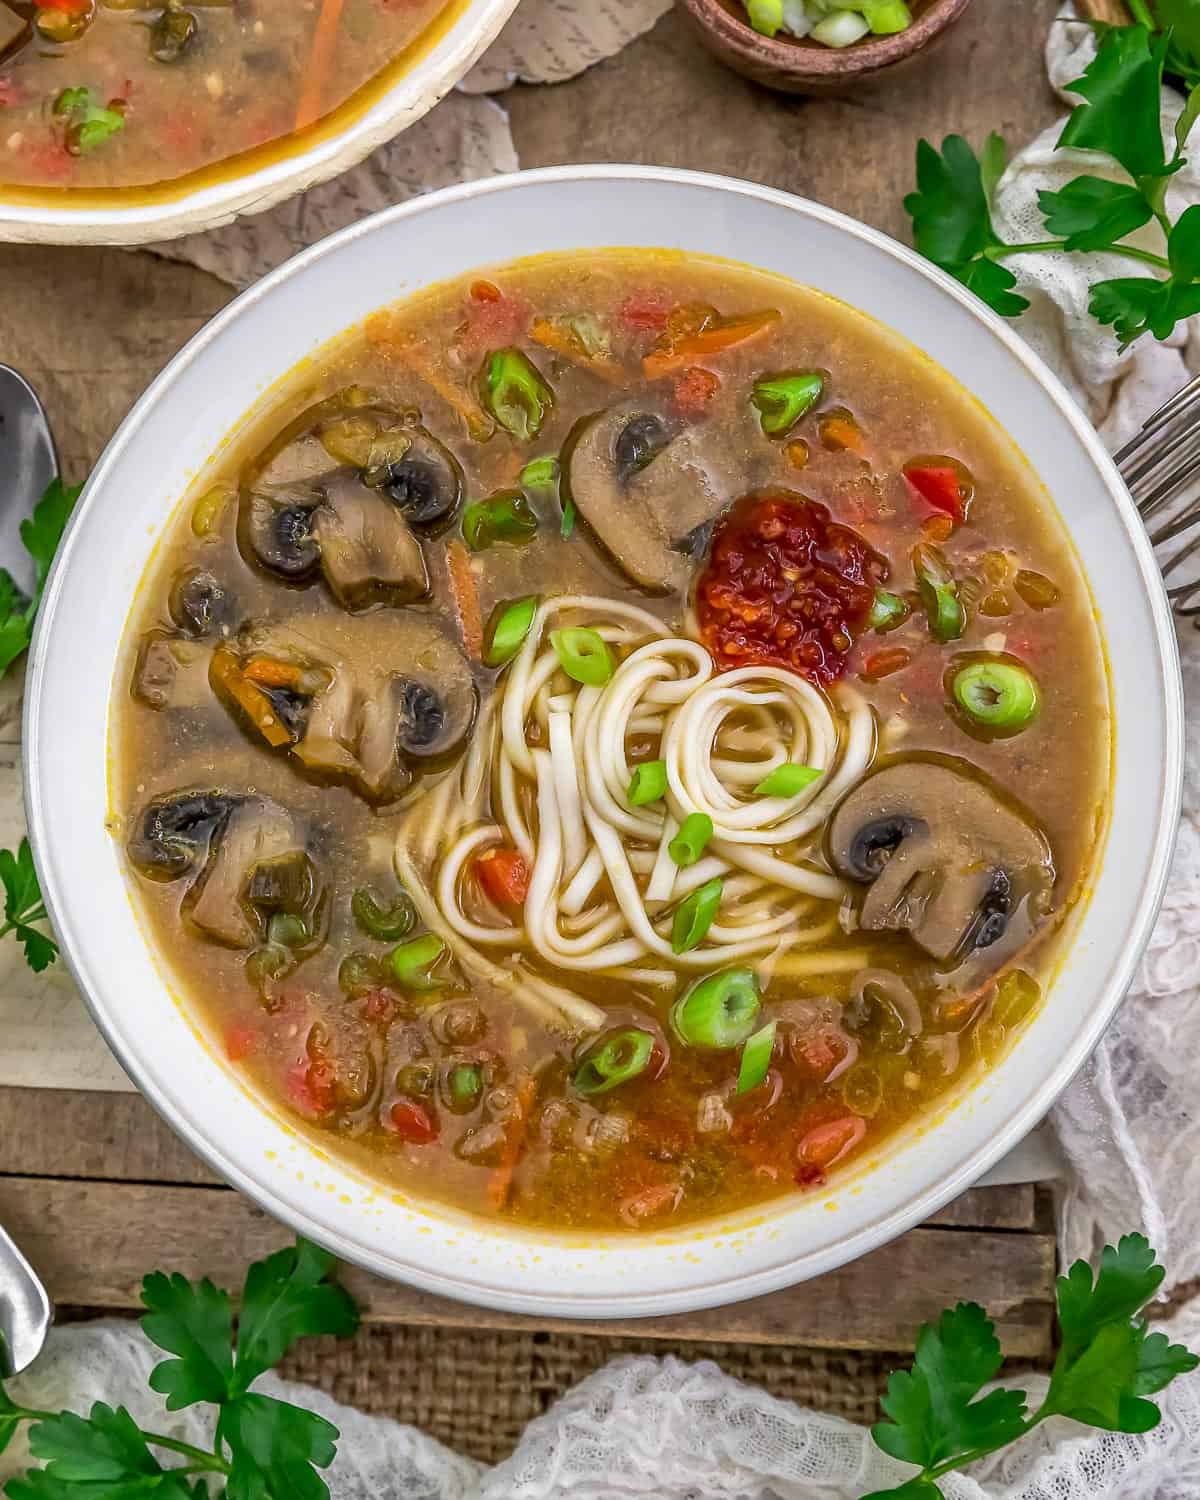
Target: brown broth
(635, 1155)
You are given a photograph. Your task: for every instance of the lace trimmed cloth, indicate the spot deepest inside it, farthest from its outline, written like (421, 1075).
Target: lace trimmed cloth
(1128, 1127)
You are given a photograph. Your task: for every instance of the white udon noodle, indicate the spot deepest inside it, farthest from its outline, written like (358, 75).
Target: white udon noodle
(550, 756)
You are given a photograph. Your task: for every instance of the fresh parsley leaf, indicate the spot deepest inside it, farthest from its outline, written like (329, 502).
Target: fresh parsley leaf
(38, 1484)
(23, 906)
(16, 617)
(952, 224)
(9, 1420)
(992, 161)
(915, 1489)
(1122, 92)
(1159, 1361)
(275, 1446)
(1182, 19)
(1128, 1277)
(193, 1320)
(933, 1410)
(286, 1297)
(105, 1447)
(1091, 213)
(42, 531)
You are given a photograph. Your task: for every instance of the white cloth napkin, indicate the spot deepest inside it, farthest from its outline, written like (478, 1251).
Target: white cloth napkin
(1129, 1128)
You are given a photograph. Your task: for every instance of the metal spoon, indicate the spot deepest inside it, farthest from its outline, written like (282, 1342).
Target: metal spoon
(25, 1310)
(28, 462)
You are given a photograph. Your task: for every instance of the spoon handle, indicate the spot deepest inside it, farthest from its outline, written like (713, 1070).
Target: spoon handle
(28, 462)
(25, 1310)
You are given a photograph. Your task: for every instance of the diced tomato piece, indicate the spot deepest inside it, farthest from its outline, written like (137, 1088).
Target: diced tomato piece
(68, 7)
(826, 1144)
(646, 310)
(485, 291)
(241, 1039)
(503, 873)
(820, 1051)
(412, 1122)
(10, 94)
(312, 1087)
(693, 391)
(493, 323)
(940, 486)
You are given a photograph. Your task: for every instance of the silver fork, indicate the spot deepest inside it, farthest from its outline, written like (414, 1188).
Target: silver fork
(1158, 463)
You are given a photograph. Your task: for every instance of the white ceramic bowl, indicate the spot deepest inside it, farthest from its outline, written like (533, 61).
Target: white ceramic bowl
(329, 148)
(204, 394)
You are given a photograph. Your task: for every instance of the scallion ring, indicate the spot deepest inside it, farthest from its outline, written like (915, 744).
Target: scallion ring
(387, 923)
(718, 1012)
(583, 655)
(648, 783)
(787, 780)
(692, 839)
(997, 695)
(509, 626)
(414, 964)
(618, 1058)
(888, 611)
(695, 916)
(756, 1058)
(781, 400)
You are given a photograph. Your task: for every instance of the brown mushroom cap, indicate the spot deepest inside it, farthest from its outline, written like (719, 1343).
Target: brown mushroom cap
(945, 858)
(369, 554)
(638, 487)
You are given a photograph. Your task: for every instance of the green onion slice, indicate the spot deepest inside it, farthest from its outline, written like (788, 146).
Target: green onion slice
(507, 629)
(506, 517)
(286, 930)
(756, 1058)
(583, 655)
(766, 16)
(567, 524)
(718, 1012)
(616, 1060)
(540, 476)
(695, 916)
(465, 1084)
(388, 923)
(515, 393)
(781, 400)
(648, 783)
(888, 611)
(690, 842)
(788, 780)
(886, 17)
(414, 963)
(999, 695)
(939, 594)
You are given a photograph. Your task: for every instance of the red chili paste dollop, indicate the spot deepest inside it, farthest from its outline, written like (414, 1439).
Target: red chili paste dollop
(786, 585)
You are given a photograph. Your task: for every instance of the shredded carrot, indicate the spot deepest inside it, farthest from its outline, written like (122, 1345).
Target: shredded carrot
(466, 597)
(269, 671)
(715, 340)
(562, 341)
(226, 675)
(500, 1181)
(319, 64)
(840, 432)
(478, 424)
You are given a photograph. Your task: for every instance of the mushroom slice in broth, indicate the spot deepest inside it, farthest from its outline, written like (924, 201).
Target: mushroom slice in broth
(943, 856)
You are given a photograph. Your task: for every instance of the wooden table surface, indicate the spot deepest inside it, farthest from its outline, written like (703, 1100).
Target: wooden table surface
(95, 1186)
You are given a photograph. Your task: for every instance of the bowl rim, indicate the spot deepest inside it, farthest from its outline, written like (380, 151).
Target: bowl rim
(732, 1285)
(213, 204)
(791, 58)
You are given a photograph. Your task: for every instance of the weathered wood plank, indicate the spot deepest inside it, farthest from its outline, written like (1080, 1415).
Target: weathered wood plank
(92, 1243)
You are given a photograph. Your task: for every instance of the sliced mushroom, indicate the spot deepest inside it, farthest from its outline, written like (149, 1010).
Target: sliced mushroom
(199, 604)
(426, 483)
(13, 28)
(377, 707)
(170, 672)
(249, 856)
(368, 553)
(637, 485)
(277, 530)
(945, 858)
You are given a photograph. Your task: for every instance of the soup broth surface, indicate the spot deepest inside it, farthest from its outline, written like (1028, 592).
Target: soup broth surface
(619, 737)
(98, 95)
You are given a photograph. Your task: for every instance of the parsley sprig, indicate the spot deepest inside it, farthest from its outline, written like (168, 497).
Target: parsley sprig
(40, 533)
(1108, 1363)
(23, 907)
(1121, 94)
(264, 1449)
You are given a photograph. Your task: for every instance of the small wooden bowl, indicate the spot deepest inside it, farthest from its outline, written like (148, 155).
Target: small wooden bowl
(800, 67)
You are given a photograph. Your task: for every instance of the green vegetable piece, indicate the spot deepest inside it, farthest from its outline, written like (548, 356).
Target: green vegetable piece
(932, 1410)
(194, 1321)
(387, 923)
(766, 16)
(507, 629)
(540, 477)
(1135, 305)
(717, 1013)
(73, 101)
(939, 593)
(788, 780)
(40, 533)
(695, 915)
(618, 1058)
(567, 525)
(998, 695)
(952, 222)
(465, 1085)
(506, 517)
(359, 973)
(515, 393)
(1091, 213)
(583, 655)
(887, 612)
(886, 17)
(287, 930)
(415, 963)
(275, 1447)
(23, 906)
(756, 1058)
(690, 842)
(288, 1296)
(781, 400)
(1122, 93)
(648, 783)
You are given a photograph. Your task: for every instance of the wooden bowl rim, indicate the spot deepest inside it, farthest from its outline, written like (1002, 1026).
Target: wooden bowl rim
(794, 59)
